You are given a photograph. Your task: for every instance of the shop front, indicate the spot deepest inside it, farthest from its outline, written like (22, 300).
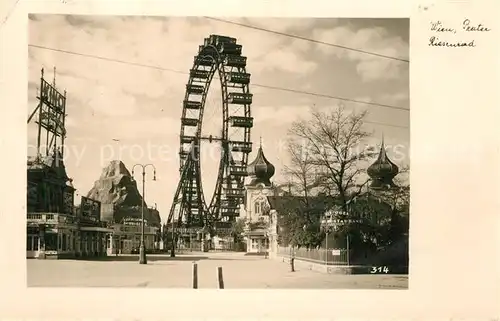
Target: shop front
(57, 236)
(50, 236)
(92, 241)
(126, 239)
(257, 241)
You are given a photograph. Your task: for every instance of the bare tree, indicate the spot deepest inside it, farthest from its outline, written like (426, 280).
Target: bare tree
(301, 171)
(333, 145)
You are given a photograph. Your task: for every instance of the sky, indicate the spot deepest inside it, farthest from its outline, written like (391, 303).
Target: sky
(131, 112)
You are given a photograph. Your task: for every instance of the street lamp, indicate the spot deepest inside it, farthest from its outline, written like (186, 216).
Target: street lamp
(142, 248)
(327, 229)
(172, 249)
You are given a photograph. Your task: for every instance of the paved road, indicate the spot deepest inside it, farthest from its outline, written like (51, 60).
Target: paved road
(164, 272)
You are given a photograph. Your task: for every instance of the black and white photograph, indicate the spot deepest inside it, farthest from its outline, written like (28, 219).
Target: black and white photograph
(218, 153)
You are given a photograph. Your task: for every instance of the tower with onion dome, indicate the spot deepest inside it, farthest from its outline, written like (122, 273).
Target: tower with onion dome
(260, 171)
(382, 171)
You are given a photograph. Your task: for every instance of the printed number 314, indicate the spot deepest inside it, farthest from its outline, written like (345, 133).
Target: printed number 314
(379, 269)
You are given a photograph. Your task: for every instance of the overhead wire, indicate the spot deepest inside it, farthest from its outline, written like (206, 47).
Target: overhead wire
(296, 91)
(307, 39)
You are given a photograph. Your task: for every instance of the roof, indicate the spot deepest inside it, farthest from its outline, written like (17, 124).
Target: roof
(260, 169)
(383, 170)
(257, 232)
(52, 164)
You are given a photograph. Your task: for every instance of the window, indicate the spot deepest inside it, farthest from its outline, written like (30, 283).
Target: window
(255, 243)
(51, 242)
(35, 242)
(64, 242)
(29, 245)
(257, 208)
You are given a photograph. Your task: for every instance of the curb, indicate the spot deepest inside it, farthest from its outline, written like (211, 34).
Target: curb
(344, 269)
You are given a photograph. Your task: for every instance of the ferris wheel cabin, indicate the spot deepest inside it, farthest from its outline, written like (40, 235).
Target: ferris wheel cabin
(195, 89)
(192, 104)
(199, 74)
(239, 98)
(235, 170)
(245, 147)
(241, 121)
(238, 77)
(235, 61)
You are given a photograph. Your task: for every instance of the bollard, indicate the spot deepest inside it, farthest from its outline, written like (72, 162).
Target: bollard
(195, 275)
(292, 267)
(220, 278)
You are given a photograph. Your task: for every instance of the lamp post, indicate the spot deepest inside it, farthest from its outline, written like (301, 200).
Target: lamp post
(172, 249)
(327, 232)
(142, 248)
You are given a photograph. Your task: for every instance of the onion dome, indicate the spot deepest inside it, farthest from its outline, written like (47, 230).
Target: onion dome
(260, 170)
(382, 171)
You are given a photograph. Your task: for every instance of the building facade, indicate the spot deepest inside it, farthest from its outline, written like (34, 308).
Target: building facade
(126, 238)
(376, 206)
(255, 210)
(55, 228)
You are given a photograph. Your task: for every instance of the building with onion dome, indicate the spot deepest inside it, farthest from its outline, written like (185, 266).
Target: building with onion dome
(377, 199)
(375, 206)
(260, 172)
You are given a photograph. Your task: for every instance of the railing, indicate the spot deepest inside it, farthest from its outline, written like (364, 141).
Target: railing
(324, 256)
(50, 218)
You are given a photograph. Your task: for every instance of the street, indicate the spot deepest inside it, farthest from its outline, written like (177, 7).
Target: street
(162, 271)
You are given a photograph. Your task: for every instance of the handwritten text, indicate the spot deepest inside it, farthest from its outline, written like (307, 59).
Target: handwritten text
(436, 42)
(467, 26)
(446, 34)
(437, 26)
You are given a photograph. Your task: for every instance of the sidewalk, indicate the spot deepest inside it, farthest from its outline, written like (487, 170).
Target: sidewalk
(239, 271)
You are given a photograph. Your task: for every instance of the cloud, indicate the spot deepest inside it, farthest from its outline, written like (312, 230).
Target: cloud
(282, 115)
(124, 128)
(376, 40)
(115, 89)
(112, 102)
(172, 43)
(397, 98)
(278, 24)
(290, 62)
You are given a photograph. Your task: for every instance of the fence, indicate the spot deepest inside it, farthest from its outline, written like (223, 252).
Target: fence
(196, 246)
(325, 256)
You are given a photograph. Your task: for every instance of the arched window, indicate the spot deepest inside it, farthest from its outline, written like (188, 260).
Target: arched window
(258, 207)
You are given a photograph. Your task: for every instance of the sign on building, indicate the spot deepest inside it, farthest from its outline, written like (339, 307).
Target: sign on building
(90, 209)
(336, 252)
(32, 193)
(52, 109)
(68, 202)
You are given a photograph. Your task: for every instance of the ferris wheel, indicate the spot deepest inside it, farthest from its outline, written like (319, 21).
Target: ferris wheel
(219, 57)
